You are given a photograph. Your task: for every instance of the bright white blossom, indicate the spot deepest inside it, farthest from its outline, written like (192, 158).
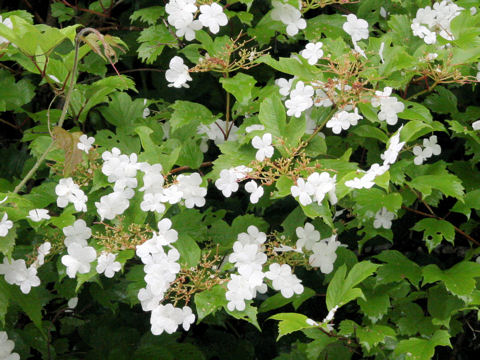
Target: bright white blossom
(303, 190)
(227, 182)
(78, 233)
(322, 184)
(324, 254)
(284, 85)
(69, 192)
(390, 155)
(312, 52)
(289, 16)
(43, 250)
(307, 236)
(17, 273)
(383, 219)
(177, 75)
(37, 215)
(264, 146)
(6, 345)
(300, 99)
(343, 120)
(283, 280)
(78, 259)
(212, 16)
(256, 192)
(5, 225)
(192, 192)
(389, 106)
(108, 265)
(356, 28)
(476, 125)
(85, 143)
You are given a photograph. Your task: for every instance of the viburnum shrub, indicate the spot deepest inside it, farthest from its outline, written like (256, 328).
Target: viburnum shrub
(279, 179)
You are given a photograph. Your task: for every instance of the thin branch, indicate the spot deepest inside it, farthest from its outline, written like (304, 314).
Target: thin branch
(183, 168)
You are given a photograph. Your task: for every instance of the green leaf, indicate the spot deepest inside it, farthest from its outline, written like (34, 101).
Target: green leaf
(290, 66)
(7, 242)
(342, 290)
(272, 115)
(240, 86)
(187, 113)
(397, 267)
(373, 335)
(443, 101)
(441, 305)
(448, 184)
(329, 25)
(376, 303)
(423, 349)
(122, 111)
(209, 301)
(370, 132)
(435, 231)
(153, 40)
(249, 315)
(290, 322)
(189, 250)
(148, 15)
(459, 279)
(14, 94)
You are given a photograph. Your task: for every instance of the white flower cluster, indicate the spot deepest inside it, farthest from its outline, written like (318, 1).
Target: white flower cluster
(85, 143)
(389, 106)
(69, 192)
(301, 99)
(342, 120)
(227, 183)
(107, 265)
(430, 148)
(120, 169)
(315, 188)
(248, 258)
(430, 22)
(161, 268)
(37, 215)
(289, 16)
(17, 273)
(389, 157)
(6, 346)
(181, 15)
(323, 251)
(79, 254)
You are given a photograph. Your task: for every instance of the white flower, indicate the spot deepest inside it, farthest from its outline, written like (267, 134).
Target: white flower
(389, 106)
(380, 51)
(283, 280)
(43, 250)
(289, 16)
(148, 299)
(188, 30)
(177, 75)
(476, 125)
(163, 319)
(153, 202)
(78, 259)
(146, 110)
(256, 192)
(322, 184)
(324, 254)
(284, 85)
(72, 303)
(420, 155)
(78, 233)
(303, 190)
(390, 155)
(383, 218)
(85, 143)
(114, 204)
(188, 318)
(264, 146)
(69, 192)
(212, 16)
(307, 236)
(431, 145)
(6, 345)
(365, 182)
(192, 193)
(252, 236)
(5, 225)
(108, 265)
(37, 215)
(312, 52)
(383, 12)
(17, 273)
(356, 28)
(227, 183)
(343, 120)
(300, 99)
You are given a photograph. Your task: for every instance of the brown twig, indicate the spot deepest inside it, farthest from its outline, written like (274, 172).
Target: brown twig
(461, 232)
(182, 168)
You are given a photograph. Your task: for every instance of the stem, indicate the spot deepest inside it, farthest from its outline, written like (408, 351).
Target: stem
(64, 111)
(227, 113)
(321, 126)
(424, 91)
